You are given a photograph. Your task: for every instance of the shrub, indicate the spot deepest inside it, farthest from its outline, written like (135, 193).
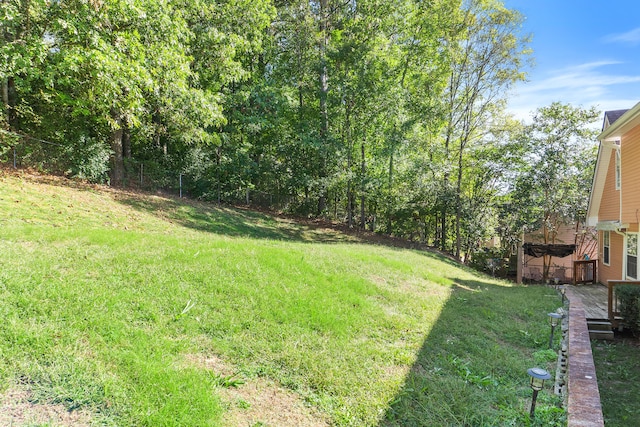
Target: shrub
(629, 298)
(491, 261)
(88, 159)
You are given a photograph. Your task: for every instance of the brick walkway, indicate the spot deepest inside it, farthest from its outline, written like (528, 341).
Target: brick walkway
(583, 408)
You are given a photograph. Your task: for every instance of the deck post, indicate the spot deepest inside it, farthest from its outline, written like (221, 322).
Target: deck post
(520, 260)
(610, 301)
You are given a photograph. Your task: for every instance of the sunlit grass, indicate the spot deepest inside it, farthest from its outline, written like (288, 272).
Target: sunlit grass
(94, 287)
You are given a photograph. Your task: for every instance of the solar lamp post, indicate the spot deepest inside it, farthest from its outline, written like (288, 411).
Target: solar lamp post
(538, 377)
(554, 319)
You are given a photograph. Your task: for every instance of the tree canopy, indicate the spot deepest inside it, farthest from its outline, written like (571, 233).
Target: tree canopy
(384, 114)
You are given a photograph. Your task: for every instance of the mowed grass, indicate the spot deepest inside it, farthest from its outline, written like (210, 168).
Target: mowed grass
(618, 380)
(107, 298)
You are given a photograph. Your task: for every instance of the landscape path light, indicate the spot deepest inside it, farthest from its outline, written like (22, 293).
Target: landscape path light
(538, 377)
(555, 319)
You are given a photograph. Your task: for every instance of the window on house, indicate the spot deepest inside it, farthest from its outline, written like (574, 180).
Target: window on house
(618, 174)
(605, 247)
(632, 256)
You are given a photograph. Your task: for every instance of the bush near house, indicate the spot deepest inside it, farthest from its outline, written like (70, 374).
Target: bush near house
(629, 297)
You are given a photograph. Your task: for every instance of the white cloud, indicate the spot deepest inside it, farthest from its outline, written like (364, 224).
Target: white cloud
(580, 85)
(630, 37)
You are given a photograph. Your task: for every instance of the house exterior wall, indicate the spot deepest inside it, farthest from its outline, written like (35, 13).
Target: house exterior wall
(610, 204)
(562, 268)
(613, 271)
(630, 156)
(621, 132)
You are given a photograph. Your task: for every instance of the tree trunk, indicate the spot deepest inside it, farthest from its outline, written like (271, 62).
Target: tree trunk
(324, 90)
(443, 224)
(459, 204)
(219, 172)
(5, 99)
(11, 102)
(117, 158)
(438, 230)
(324, 78)
(126, 139)
(548, 238)
(363, 171)
(390, 186)
(349, 144)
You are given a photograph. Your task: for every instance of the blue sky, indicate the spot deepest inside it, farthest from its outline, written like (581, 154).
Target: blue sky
(585, 53)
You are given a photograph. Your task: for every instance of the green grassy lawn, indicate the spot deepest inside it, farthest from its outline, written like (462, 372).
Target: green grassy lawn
(618, 374)
(107, 299)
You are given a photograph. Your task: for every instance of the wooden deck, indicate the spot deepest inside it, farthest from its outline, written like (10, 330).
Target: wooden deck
(594, 300)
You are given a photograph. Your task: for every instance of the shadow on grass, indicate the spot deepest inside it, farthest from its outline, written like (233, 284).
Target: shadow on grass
(471, 368)
(240, 222)
(228, 221)
(618, 378)
(235, 221)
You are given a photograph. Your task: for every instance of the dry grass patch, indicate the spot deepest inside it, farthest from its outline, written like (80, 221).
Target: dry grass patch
(261, 402)
(258, 401)
(19, 409)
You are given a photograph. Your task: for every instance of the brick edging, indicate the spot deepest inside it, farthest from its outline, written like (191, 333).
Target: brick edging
(583, 407)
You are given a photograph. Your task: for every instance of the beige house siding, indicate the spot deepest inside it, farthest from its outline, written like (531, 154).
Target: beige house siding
(610, 205)
(630, 155)
(609, 209)
(613, 271)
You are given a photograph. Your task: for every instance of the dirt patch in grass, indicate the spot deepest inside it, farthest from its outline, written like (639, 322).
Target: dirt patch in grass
(259, 402)
(17, 408)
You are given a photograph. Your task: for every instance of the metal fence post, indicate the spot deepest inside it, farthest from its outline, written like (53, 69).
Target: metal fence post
(181, 186)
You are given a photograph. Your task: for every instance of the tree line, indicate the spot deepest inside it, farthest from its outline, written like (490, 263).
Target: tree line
(388, 115)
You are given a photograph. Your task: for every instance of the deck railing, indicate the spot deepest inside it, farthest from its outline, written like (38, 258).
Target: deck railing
(614, 313)
(584, 271)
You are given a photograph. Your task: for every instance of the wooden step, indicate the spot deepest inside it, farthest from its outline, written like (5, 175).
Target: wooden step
(599, 325)
(600, 329)
(601, 335)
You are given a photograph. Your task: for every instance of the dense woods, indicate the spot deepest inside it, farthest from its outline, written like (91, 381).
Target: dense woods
(387, 115)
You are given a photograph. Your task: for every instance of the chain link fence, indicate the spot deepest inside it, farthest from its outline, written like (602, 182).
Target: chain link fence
(90, 160)
(22, 151)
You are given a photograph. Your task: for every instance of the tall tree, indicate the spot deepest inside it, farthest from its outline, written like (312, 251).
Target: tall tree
(24, 44)
(558, 155)
(486, 61)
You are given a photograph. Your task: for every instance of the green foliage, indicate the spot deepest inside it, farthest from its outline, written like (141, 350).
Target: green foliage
(558, 154)
(545, 356)
(383, 115)
(482, 381)
(491, 260)
(629, 299)
(88, 159)
(185, 310)
(227, 381)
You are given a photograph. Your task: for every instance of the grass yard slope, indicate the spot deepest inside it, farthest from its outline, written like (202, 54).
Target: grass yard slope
(122, 309)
